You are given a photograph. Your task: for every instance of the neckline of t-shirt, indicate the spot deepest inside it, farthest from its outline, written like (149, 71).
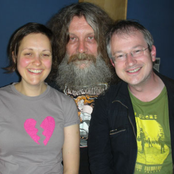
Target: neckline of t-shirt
(30, 97)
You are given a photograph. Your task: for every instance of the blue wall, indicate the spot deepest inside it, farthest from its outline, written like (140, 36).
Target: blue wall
(158, 17)
(14, 14)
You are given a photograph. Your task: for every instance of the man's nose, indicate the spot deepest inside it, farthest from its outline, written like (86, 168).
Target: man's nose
(130, 60)
(82, 47)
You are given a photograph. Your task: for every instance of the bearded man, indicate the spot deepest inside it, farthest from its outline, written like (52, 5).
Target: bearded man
(84, 69)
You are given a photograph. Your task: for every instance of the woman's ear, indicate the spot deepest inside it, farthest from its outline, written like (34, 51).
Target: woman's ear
(14, 57)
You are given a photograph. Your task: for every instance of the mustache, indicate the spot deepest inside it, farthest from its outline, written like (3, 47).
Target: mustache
(81, 56)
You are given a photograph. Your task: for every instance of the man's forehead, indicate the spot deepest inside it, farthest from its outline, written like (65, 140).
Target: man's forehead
(80, 25)
(79, 20)
(127, 40)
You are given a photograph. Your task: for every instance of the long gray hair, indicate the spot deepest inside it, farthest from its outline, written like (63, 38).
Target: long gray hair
(94, 15)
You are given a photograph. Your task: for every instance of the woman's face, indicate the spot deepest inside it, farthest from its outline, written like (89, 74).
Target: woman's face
(34, 59)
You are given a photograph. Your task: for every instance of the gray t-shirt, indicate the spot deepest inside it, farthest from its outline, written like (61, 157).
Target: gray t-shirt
(32, 131)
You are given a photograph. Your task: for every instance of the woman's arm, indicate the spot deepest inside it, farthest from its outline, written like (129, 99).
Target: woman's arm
(71, 149)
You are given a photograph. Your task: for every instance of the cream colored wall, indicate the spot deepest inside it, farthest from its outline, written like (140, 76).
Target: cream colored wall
(117, 9)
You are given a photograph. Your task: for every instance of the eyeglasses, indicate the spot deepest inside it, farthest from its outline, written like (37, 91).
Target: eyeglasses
(121, 56)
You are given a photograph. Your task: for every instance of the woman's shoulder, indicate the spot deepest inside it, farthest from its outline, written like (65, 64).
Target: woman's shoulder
(59, 94)
(5, 89)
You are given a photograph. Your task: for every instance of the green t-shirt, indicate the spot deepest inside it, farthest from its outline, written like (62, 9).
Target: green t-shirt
(153, 135)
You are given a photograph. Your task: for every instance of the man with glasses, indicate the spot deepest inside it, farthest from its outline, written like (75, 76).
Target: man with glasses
(134, 120)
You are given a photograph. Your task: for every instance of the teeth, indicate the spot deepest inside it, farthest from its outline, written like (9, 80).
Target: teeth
(135, 70)
(35, 71)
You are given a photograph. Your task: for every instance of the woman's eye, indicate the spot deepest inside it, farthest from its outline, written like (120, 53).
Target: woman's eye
(46, 55)
(27, 54)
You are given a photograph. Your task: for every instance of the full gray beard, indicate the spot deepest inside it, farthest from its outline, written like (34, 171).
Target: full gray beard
(73, 77)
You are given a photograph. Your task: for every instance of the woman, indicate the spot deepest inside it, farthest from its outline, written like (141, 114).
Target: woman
(38, 125)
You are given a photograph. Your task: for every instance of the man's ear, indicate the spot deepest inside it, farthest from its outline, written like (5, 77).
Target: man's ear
(153, 53)
(112, 63)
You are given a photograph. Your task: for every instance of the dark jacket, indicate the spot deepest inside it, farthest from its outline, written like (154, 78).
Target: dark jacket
(112, 141)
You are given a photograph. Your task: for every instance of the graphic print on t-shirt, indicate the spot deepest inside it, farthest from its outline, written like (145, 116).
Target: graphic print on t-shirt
(48, 125)
(152, 149)
(84, 98)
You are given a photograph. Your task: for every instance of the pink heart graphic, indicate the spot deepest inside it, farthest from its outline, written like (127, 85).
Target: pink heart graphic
(48, 124)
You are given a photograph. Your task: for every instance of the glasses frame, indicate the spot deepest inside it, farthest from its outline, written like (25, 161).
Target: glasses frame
(133, 54)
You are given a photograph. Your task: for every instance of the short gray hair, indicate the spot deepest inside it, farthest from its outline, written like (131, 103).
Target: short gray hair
(125, 27)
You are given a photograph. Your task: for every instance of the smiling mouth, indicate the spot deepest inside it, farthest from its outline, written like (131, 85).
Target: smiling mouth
(35, 71)
(135, 70)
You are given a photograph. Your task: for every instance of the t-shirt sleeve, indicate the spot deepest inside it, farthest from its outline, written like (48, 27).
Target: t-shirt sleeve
(71, 113)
